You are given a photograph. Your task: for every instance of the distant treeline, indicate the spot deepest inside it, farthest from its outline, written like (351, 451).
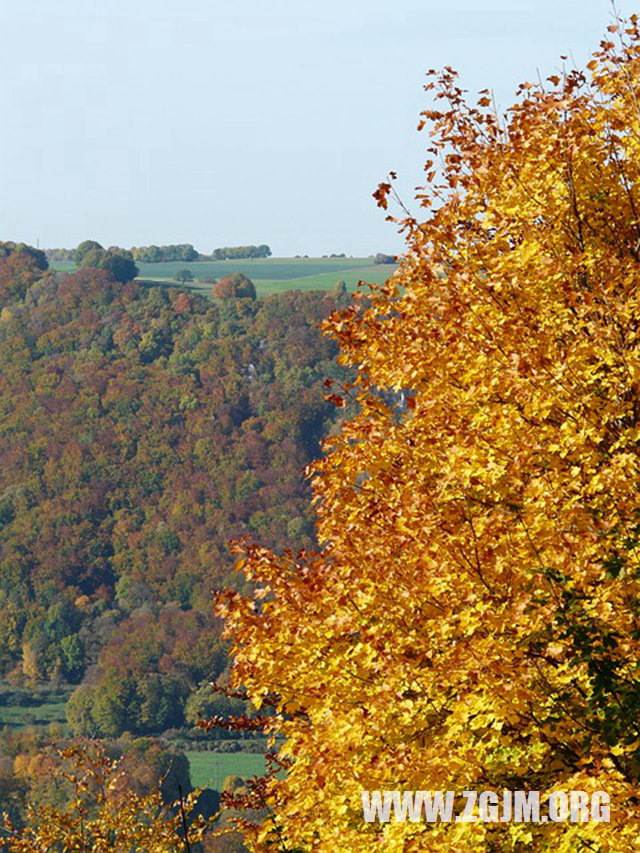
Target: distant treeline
(228, 253)
(162, 254)
(173, 252)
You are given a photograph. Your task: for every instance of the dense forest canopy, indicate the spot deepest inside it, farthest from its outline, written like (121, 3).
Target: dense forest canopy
(140, 429)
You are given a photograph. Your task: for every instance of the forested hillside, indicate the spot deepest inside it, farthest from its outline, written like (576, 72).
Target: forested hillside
(140, 429)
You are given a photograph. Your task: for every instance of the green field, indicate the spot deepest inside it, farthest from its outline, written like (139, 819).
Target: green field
(210, 769)
(260, 268)
(325, 281)
(270, 275)
(33, 715)
(40, 710)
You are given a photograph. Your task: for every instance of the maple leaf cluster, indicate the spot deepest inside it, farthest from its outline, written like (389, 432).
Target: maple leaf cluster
(473, 618)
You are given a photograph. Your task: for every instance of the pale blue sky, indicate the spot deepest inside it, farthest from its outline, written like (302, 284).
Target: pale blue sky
(262, 121)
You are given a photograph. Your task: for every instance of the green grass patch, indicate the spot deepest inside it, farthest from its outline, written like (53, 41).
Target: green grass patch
(20, 708)
(33, 715)
(272, 269)
(326, 281)
(271, 275)
(210, 769)
(63, 266)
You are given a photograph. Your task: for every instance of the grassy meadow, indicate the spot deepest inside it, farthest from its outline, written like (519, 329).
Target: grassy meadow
(210, 769)
(270, 275)
(19, 709)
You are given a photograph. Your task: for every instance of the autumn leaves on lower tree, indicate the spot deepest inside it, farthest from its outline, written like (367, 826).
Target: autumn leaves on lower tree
(473, 618)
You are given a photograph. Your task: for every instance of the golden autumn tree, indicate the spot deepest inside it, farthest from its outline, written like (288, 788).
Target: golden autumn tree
(472, 621)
